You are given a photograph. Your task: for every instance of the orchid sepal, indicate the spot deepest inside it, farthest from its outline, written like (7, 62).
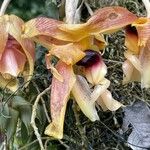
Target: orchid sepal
(60, 92)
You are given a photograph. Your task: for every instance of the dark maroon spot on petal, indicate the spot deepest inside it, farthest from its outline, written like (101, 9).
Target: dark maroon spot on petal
(91, 58)
(131, 29)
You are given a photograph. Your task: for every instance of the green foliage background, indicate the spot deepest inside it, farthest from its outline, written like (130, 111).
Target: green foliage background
(26, 9)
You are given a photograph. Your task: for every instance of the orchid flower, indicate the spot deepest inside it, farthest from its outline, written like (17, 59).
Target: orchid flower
(16, 54)
(80, 69)
(137, 41)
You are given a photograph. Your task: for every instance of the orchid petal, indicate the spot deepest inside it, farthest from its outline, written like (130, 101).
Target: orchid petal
(82, 95)
(48, 27)
(84, 44)
(3, 35)
(110, 19)
(130, 72)
(54, 71)
(99, 41)
(107, 102)
(29, 50)
(134, 60)
(145, 63)
(59, 97)
(131, 39)
(70, 54)
(99, 89)
(15, 28)
(104, 20)
(78, 30)
(12, 61)
(143, 27)
(41, 25)
(102, 104)
(47, 41)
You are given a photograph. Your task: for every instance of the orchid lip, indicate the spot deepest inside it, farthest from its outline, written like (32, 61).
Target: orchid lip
(92, 58)
(131, 29)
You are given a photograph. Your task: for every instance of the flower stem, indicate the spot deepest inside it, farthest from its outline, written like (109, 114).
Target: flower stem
(33, 116)
(147, 6)
(4, 6)
(70, 10)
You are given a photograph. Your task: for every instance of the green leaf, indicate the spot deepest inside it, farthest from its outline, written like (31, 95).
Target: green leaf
(24, 108)
(4, 115)
(12, 123)
(24, 133)
(51, 9)
(40, 114)
(41, 118)
(25, 116)
(19, 101)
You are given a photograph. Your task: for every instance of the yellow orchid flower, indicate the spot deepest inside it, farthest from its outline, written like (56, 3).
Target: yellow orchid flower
(77, 46)
(85, 96)
(137, 41)
(16, 54)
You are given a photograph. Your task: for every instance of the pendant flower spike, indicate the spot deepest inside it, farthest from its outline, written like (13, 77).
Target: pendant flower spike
(77, 47)
(16, 54)
(137, 41)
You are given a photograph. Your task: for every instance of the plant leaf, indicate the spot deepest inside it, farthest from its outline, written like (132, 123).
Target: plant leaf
(40, 114)
(24, 108)
(4, 117)
(19, 101)
(24, 133)
(12, 125)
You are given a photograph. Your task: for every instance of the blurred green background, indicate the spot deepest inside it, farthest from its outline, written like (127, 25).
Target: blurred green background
(28, 9)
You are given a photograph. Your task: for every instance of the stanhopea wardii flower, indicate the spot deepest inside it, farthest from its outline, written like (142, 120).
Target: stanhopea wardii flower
(16, 54)
(78, 45)
(137, 41)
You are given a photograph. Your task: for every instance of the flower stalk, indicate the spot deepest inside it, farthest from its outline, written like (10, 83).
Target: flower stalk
(147, 6)
(4, 7)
